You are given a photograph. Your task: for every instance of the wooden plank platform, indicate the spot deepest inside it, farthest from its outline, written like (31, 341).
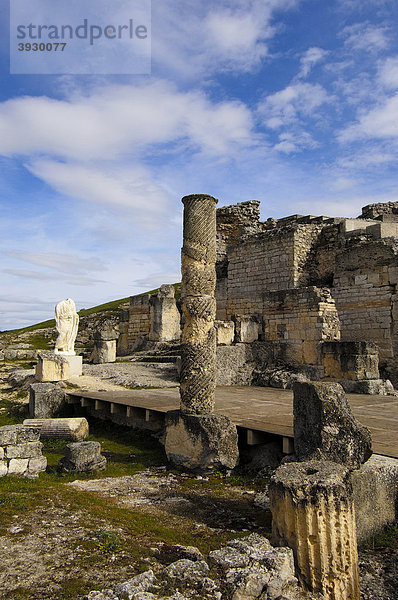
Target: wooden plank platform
(256, 410)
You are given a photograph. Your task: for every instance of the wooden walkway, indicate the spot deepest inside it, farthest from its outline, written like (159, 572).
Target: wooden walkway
(258, 411)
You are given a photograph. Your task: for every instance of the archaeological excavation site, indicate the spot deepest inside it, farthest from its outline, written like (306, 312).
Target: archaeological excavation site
(232, 436)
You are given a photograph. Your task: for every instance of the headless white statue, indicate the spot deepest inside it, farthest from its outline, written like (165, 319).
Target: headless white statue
(66, 322)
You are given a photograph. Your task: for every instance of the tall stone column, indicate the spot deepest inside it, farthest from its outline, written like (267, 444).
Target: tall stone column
(198, 260)
(196, 438)
(313, 513)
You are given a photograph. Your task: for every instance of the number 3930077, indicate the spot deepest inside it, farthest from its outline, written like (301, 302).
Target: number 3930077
(41, 47)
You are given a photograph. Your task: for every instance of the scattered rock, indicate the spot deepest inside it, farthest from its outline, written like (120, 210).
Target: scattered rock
(83, 457)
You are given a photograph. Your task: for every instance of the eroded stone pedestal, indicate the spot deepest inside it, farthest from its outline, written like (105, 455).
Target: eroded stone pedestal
(313, 513)
(202, 443)
(58, 367)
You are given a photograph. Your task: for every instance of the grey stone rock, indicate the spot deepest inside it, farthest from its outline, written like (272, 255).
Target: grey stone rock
(45, 400)
(18, 434)
(83, 457)
(138, 584)
(254, 545)
(18, 466)
(187, 570)
(25, 450)
(201, 443)
(247, 583)
(22, 378)
(103, 595)
(229, 558)
(37, 465)
(375, 493)
(325, 428)
(3, 468)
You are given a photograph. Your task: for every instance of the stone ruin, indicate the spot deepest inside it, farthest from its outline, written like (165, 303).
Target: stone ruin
(20, 451)
(196, 438)
(297, 297)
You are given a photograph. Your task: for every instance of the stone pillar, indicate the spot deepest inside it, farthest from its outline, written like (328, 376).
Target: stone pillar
(313, 513)
(196, 438)
(198, 262)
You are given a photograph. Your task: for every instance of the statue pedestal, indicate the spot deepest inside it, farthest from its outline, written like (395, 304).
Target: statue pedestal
(58, 367)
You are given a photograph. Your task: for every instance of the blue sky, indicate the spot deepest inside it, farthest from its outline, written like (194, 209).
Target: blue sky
(290, 102)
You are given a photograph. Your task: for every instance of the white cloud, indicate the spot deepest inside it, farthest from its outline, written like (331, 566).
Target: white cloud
(129, 189)
(60, 262)
(388, 73)
(380, 122)
(197, 39)
(110, 122)
(293, 102)
(294, 141)
(366, 37)
(40, 276)
(310, 58)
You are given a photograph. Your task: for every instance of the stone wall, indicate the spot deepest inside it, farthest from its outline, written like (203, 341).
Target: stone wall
(303, 318)
(139, 317)
(20, 451)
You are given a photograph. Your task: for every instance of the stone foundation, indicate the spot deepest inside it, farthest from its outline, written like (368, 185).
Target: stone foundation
(202, 443)
(58, 367)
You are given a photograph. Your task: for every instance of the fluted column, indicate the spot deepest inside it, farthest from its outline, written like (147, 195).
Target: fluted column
(198, 350)
(313, 513)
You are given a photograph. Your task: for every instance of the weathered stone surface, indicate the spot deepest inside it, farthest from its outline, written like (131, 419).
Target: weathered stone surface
(18, 466)
(350, 360)
(37, 465)
(1, 453)
(198, 356)
(201, 442)
(73, 428)
(17, 434)
(106, 331)
(103, 352)
(57, 367)
(45, 400)
(140, 583)
(312, 513)
(247, 330)
(198, 350)
(225, 332)
(185, 569)
(325, 428)
(165, 316)
(83, 456)
(3, 468)
(24, 450)
(375, 493)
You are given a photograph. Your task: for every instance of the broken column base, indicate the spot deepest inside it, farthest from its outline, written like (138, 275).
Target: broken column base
(58, 367)
(202, 443)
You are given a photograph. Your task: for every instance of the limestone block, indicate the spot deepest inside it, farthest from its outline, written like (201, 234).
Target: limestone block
(17, 434)
(225, 332)
(247, 330)
(1, 453)
(325, 428)
(25, 450)
(37, 465)
(52, 367)
(165, 316)
(350, 360)
(73, 428)
(45, 400)
(83, 456)
(202, 443)
(18, 466)
(103, 352)
(3, 468)
(375, 493)
(106, 331)
(312, 513)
